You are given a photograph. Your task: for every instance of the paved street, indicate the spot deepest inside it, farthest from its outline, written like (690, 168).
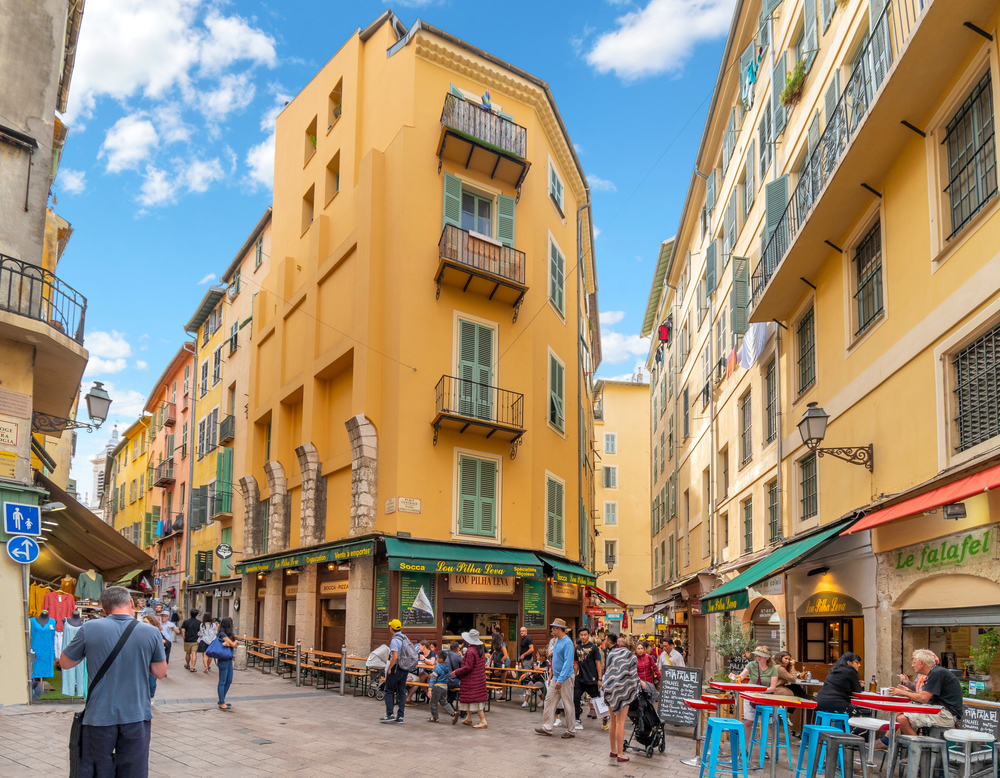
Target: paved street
(278, 730)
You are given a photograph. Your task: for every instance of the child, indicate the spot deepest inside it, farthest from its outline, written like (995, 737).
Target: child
(537, 678)
(438, 683)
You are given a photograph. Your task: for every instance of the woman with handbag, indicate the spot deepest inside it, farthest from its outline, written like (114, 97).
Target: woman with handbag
(221, 650)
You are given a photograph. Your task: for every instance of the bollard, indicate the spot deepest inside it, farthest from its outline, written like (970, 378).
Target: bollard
(343, 668)
(298, 662)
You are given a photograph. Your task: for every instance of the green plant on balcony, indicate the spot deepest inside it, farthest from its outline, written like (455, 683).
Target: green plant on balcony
(794, 85)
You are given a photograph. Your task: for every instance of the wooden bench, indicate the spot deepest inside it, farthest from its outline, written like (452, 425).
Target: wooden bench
(265, 660)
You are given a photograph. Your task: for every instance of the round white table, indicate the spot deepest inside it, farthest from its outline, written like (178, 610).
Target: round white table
(967, 737)
(873, 726)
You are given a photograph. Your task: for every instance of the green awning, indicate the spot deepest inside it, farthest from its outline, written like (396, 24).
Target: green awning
(338, 552)
(125, 579)
(421, 556)
(733, 595)
(567, 572)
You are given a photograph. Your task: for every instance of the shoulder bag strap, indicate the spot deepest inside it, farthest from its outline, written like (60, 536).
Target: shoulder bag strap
(111, 658)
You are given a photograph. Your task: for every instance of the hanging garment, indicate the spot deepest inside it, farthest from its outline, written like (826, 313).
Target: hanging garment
(60, 606)
(68, 585)
(88, 588)
(59, 642)
(43, 646)
(74, 680)
(36, 596)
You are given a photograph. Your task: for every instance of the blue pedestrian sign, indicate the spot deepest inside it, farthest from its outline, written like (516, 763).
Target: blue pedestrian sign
(22, 549)
(21, 519)
(156, 582)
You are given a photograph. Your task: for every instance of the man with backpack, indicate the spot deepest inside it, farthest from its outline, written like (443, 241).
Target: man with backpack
(403, 659)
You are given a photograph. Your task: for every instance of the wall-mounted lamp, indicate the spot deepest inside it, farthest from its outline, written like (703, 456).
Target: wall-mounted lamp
(812, 428)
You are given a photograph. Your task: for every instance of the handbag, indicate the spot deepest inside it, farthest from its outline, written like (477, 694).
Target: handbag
(219, 650)
(76, 730)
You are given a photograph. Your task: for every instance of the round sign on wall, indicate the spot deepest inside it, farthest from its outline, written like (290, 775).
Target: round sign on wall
(223, 551)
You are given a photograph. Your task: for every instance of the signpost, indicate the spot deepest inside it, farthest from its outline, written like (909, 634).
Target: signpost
(677, 683)
(21, 519)
(22, 549)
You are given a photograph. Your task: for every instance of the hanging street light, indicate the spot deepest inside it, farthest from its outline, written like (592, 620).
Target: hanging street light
(812, 429)
(98, 403)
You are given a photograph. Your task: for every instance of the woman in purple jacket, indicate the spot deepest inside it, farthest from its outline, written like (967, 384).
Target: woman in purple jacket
(472, 694)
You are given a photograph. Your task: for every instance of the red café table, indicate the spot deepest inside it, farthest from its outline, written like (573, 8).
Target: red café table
(779, 700)
(893, 706)
(730, 686)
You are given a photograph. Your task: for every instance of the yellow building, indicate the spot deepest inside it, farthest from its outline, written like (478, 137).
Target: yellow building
(423, 346)
(621, 421)
(132, 513)
(839, 226)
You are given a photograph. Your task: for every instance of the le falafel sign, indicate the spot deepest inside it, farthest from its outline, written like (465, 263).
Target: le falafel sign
(466, 568)
(949, 552)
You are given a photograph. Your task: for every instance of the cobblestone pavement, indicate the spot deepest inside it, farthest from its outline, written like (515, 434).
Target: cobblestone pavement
(276, 729)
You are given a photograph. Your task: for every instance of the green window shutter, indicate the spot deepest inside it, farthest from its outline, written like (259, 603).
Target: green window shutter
(505, 220)
(663, 451)
(557, 278)
(170, 445)
(673, 494)
(227, 538)
(813, 133)
(747, 59)
(831, 98)
(455, 91)
(452, 201)
(556, 397)
(710, 191)
(811, 33)
(475, 352)
(710, 262)
(487, 497)
(147, 529)
(739, 296)
(750, 187)
(775, 203)
(778, 77)
(554, 530)
(468, 494)
(728, 139)
(237, 281)
(827, 7)
(155, 522)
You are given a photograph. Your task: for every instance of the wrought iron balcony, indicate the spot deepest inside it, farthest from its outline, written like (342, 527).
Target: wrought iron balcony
(164, 473)
(37, 293)
(477, 264)
(468, 405)
(220, 502)
(482, 140)
(227, 429)
(169, 414)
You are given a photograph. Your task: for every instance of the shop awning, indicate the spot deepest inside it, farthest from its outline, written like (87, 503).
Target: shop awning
(342, 551)
(656, 609)
(607, 597)
(422, 556)
(567, 572)
(956, 491)
(983, 616)
(733, 595)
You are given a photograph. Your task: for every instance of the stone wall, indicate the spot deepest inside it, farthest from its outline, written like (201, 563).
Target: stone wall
(280, 531)
(312, 527)
(252, 518)
(364, 508)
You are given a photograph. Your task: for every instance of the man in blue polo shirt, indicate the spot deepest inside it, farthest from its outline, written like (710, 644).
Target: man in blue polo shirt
(561, 682)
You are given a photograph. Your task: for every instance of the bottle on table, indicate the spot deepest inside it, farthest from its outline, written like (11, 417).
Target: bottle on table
(873, 687)
(809, 675)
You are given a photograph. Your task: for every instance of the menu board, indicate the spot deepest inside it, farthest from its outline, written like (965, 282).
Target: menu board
(416, 599)
(534, 603)
(676, 684)
(985, 719)
(382, 596)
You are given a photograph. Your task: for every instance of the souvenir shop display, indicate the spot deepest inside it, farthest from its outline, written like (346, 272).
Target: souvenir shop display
(74, 680)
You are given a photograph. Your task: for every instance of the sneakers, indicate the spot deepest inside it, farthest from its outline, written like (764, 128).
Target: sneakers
(388, 720)
(558, 723)
(604, 725)
(399, 720)
(524, 704)
(579, 725)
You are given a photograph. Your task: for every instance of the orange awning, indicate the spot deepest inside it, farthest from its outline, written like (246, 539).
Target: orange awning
(606, 596)
(956, 491)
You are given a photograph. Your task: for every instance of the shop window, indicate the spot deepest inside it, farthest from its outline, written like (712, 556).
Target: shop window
(825, 640)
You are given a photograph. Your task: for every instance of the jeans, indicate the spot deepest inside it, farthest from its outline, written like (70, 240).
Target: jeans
(117, 751)
(395, 691)
(225, 677)
(439, 695)
(152, 686)
(578, 689)
(166, 648)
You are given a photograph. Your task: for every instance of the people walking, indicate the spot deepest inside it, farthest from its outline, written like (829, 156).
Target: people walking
(590, 666)
(621, 687)
(117, 716)
(402, 660)
(646, 664)
(560, 683)
(168, 631)
(228, 637)
(208, 631)
(438, 683)
(472, 694)
(190, 628)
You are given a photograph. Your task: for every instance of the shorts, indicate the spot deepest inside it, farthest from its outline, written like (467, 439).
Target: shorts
(189, 647)
(202, 646)
(942, 719)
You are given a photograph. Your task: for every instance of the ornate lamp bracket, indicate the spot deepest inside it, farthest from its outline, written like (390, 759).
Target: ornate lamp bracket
(858, 455)
(44, 422)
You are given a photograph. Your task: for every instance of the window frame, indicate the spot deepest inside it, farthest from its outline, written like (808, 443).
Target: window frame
(806, 379)
(552, 477)
(746, 428)
(554, 359)
(557, 199)
(613, 438)
(560, 306)
(613, 470)
(613, 504)
(747, 511)
(456, 529)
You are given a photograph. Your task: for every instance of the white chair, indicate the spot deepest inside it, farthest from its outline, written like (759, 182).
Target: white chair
(873, 726)
(966, 737)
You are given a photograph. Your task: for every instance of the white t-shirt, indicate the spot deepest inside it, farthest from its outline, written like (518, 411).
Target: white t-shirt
(676, 658)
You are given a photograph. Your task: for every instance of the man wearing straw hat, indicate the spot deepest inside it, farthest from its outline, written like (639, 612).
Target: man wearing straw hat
(561, 683)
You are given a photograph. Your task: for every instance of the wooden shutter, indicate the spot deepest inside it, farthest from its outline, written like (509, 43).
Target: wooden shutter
(778, 77)
(475, 353)
(827, 8)
(487, 497)
(452, 201)
(710, 266)
(813, 133)
(747, 59)
(170, 445)
(673, 494)
(505, 220)
(557, 277)
(556, 396)
(684, 403)
(811, 33)
(147, 529)
(554, 528)
(728, 141)
(710, 191)
(880, 53)
(212, 432)
(739, 295)
(663, 395)
(750, 186)
(468, 494)
(155, 522)
(201, 438)
(831, 98)
(775, 203)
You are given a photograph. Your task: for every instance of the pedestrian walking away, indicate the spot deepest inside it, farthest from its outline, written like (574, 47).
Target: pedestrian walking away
(190, 628)
(207, 632)
(590, 667)
(472, 694)
(117, 717)
(402, 661)
(621, 688)
(153, 622)
(560, 683)
(438, 683)
(223, 656)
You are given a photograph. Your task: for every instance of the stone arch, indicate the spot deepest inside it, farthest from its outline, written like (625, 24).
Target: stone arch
(280, 529)
(962, 590)
(364, 473)
(312, 526)
(252, 517)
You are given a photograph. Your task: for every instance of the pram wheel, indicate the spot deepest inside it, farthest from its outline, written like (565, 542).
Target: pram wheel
(379, 695)
(663, 746)
(649, 752)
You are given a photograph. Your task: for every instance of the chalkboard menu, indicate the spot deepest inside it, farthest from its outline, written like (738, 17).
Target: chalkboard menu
(382, 596)
(985, 719)
(676, 685)
(416, 599)
(534, 603)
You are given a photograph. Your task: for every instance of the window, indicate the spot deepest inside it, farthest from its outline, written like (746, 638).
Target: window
(868, 271)
(824, 640)
(477, 496)
(477, 214)
(764, 140)
(556, 188)
(267, 442)
(663, 562)
(773, 519)
(610, 476)
(310, 141)
(749, 180)
(206, 331)
(265, 524)
(332, 177)
(335, 105)
(972, 171)
(656, 564)
(184, 443)
(201, 438)
(555, 507)
(611, 551)
(557, 372)
(610, 443)
(654, 463)
(475, 369)
(187, 380)
(721, 342)
(724, 466)
(663, 452)
(807, 350)
(977, 376)
(670, 545)
(771, 412)
(748, 526)
(611, 513)
(557, 277)
(217, 366)
(670, 436)
(258, 257)
(234, 332)
(656, 414)
(706, 375)
(611, 587)
(204, 378)
(746, 429)
(810, 501)
(686, 418)
(724, 521)
(308, 207)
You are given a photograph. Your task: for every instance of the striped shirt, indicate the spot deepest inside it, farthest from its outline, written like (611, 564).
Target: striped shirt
(621, 679)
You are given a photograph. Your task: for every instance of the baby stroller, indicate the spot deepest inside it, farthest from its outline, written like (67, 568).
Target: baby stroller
(376, 664)
(647, 729)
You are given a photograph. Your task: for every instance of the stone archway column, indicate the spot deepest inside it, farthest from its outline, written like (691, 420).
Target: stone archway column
(280, 529)
(273, 603)
(364, 508)
(312, 524)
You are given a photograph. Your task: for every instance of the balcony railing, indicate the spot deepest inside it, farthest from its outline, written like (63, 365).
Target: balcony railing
(220, 502)
(164, 473)
(483, 125)
(32, 291)
(468, 404)
(227, 429)
(465, 248)
(887, 39)
(169, 414)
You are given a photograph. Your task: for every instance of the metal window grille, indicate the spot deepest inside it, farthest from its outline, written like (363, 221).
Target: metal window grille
(772, 511)
(807, 351)
(868, 261)
(977, 388)
(746, 429)
(748, 526)
(771, 385)
(972, 163)
(810, 503)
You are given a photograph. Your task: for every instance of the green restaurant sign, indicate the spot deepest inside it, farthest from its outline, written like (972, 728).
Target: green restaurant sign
(467, 567)
(727, 602)
(950, 552)
(343, 553)
(580, 579)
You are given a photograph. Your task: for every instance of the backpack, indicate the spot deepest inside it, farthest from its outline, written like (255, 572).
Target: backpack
(409, 655)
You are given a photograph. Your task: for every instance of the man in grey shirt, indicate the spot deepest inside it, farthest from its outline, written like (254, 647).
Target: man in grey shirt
(116, 725)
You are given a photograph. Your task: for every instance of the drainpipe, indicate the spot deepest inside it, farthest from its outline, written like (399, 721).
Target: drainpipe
(777, 393)
(711, 438)
(194, 402)
(584, 525)
(677, 394)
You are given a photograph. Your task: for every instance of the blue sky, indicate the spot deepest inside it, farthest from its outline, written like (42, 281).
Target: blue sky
(169, 160)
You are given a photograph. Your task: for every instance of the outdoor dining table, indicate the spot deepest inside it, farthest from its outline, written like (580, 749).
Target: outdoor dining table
(730, 686)
(778, 700)
(893, 706)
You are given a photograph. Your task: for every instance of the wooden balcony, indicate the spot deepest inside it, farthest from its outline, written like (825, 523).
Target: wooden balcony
(483, 141)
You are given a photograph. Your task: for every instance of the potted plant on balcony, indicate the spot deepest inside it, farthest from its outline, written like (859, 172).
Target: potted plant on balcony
(733, 641)
(982, 656)
(792, 92)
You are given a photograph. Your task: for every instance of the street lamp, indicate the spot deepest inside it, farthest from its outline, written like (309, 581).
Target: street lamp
(812, 429)
(98, 402)
(609, 558)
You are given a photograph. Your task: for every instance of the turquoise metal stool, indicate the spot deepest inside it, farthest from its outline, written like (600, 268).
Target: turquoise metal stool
(713, 739)
(764, 715)
(838, 720)
(810, 751)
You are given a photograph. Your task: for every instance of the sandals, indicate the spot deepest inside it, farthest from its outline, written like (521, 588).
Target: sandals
(432, 720)
(454, 717)
(482, 725)
(226, 707)
(624, 759)
(612, 755)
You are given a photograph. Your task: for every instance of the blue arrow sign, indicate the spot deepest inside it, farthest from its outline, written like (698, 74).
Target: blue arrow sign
(21, 519)
(22, 549)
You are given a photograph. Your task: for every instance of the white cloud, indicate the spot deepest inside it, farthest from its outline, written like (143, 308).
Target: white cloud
(107, 344)
(170, 121)
(260, 158)
(618, 348)
(235, 91)
(128, 142)
(206, 279)
(609, 318)
(141, 364)
(231, 39)
(597, 232)
(660, 37)
(601, 184)
(639, 368)
(199, 174)
(99, 366)
(578, 148)
(125, 403)
(156, 189)
(72, 181)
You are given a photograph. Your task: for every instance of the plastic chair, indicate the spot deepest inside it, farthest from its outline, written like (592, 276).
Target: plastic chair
(809, 749)
(764, 715)
(840, 742)
(713, 740)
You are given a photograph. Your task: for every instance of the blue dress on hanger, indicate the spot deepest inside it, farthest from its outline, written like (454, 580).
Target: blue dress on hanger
(74, 680)
(43, 646)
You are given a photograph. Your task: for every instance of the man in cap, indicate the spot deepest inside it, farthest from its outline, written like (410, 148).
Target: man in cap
(395, 676)
(561, 682)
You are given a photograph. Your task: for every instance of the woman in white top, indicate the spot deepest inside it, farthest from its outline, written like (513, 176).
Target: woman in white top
(208, 632)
